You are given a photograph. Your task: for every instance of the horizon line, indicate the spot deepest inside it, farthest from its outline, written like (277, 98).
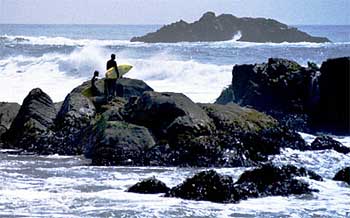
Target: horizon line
(148, 24)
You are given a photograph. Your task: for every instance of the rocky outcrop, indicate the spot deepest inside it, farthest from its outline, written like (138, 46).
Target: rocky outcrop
(300, 98)
(149, 186)
(326, 142)
(343, 175)
(35, 117)
(334, 110)
(224, 27)
(264, 181)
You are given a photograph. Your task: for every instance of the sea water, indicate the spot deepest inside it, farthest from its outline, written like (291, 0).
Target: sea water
(57, 58)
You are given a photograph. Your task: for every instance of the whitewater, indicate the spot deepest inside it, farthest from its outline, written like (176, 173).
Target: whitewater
(57, 58)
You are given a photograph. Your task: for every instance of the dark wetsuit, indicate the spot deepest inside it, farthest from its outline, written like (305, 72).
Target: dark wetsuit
(111, 84)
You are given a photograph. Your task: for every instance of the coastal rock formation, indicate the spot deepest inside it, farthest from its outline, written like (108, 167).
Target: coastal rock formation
(302, 98)
(343, 175)
(149, 186)
(224, 27)
(334, 96)
(35, 117)
(267, 180)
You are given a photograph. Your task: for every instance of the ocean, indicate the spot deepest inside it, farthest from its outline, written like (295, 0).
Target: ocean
(57, 58)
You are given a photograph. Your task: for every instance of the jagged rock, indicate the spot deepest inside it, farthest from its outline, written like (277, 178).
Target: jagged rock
(334, 114)
(35, 117)
(8, 112)
(168, 114)
(224, 27)
(326, 142)
(119, 143)
(343, 175)
(149, 186)
(267, 180)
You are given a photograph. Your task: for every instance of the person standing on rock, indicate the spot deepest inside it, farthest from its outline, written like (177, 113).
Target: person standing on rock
(111, 79)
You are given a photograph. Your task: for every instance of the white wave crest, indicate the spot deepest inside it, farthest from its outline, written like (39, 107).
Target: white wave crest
(57, 74)
(234, 43)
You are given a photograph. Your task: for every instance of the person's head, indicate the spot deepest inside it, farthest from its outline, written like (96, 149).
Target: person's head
(113, 56)
(96, 73)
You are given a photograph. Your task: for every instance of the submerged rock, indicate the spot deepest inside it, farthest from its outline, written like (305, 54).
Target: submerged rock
(206, 186)
(264, 181)
(343, 175)
(224, 27)
(326, 142)
(149, 186)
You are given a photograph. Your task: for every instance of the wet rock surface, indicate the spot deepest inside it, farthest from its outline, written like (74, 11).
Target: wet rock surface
(149, 186)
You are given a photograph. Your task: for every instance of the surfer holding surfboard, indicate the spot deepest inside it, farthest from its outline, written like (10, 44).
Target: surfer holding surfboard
(111, 78)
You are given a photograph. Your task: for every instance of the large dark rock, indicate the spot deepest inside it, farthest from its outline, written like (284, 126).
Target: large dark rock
(119, 143)
(270, 180)
(280, 87)
(206, 186)
(35, 117)
(168, 115)
(225, 27)
(326, 142)
(334, 112)
(343, 175)
(264, 181)
(149, 186)
(8, 112)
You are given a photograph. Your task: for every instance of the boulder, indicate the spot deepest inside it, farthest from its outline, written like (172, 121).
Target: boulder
(206, 186)
(149, 186)
(270, 180)
(119, 143)
(326, 142)
(343, 175)
(334, 113)
(168, 115)
(35, 117)
(8, 112)
(224, 27)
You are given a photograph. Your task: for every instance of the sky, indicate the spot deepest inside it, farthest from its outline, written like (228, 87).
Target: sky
(167, 11)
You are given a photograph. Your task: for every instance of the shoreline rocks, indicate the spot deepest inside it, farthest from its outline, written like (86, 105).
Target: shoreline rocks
(224, 27)
(266, 180)
(301, 98)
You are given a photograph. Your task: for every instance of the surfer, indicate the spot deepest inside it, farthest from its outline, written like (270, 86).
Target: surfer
(110, 83)
(94, 89)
